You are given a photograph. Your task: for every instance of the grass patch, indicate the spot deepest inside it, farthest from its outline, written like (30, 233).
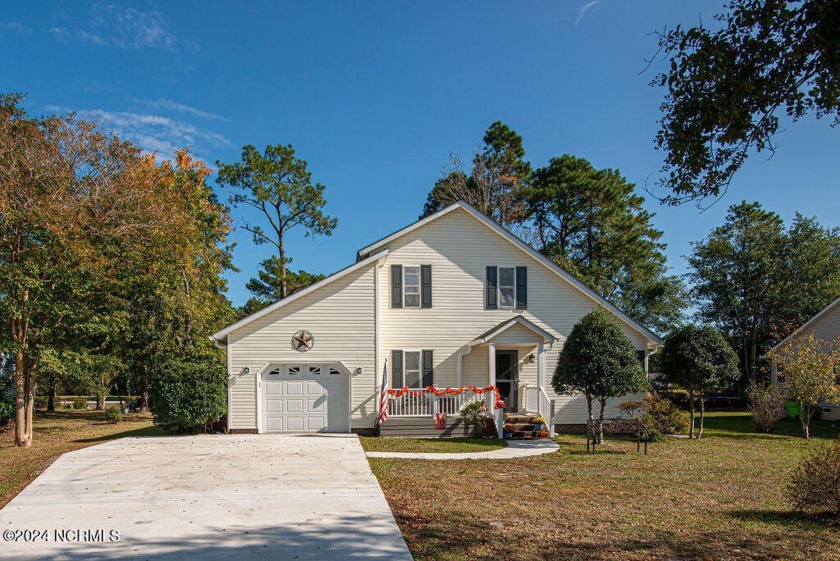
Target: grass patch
(55, 434)
(722, 497)
(453, 445)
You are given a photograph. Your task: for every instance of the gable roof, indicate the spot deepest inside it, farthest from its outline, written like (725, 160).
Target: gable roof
(554, 267)
(221, 336)
(808, 323)
(507, 324)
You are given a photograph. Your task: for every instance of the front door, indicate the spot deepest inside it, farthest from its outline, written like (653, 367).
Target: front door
(507, 378)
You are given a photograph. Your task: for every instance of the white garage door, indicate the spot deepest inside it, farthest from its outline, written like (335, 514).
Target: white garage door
(305, 398)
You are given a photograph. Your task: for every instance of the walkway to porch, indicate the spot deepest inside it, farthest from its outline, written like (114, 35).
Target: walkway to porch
(514, 449)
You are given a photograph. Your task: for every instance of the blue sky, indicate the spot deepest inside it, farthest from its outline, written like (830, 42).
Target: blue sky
(375, 96)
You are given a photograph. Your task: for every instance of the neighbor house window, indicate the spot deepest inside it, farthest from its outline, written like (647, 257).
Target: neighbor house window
(411, 286)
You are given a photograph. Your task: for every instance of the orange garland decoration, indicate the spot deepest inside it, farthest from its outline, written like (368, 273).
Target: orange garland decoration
(449, 391)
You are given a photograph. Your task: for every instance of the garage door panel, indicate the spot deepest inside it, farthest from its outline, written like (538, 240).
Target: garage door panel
(275, 424)
(273, 387)
(294, 387)
(314, 387)
(294, 406)
(305, 398)
(294, 424)
(274, 406)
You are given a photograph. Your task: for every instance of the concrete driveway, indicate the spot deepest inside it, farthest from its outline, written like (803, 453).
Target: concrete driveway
(205, 497)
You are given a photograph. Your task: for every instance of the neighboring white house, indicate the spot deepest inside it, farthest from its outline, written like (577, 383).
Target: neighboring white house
(452, 300)
(826, 326)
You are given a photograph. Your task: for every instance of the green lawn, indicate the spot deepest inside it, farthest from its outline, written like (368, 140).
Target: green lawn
(55, 434)
(383, 444)
(722, 497)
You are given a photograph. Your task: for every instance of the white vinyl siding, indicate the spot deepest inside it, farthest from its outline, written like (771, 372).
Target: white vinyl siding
(459, 248)
(341, 317)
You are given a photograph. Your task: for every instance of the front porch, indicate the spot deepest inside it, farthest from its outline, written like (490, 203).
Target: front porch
(506, 364)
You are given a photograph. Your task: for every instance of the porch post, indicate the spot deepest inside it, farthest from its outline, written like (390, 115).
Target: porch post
(492, 362)
(541, 364)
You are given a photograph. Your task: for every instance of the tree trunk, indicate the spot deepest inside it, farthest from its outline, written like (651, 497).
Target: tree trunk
(691, 414)
(603, 403)
(805, 419)
(143, 406)
(20, 399)
(282, 247)
(753, 353)
(702, 416)
(51, 399)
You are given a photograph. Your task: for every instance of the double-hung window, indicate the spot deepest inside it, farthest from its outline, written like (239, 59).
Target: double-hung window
(411, 286)
(506, 287)
(412, 369)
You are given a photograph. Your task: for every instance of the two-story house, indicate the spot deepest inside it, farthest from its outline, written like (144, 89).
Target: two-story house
(451, 301)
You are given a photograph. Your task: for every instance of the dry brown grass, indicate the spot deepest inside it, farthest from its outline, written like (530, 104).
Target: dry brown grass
(436, 445)
(55, 434)
(719, 498)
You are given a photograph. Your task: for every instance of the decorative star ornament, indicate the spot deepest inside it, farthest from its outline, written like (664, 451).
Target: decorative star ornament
(303, 340)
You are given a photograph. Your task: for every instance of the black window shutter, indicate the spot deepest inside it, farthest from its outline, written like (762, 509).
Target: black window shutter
(397, 369)
(428, 369)
(425, 286)
(491, 288)
(521, 288)
(396, 286)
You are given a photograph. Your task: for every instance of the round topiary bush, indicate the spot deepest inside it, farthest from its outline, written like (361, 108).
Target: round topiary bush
(189, 396)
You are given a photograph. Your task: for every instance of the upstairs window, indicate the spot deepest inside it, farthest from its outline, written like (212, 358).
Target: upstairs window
(411, 286)
(506, 288)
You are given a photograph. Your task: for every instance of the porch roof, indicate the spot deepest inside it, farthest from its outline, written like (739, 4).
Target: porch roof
(497, 330)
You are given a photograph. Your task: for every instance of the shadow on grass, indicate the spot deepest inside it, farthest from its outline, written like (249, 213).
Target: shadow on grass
(145, 431)
(742, 425)
(788, 519)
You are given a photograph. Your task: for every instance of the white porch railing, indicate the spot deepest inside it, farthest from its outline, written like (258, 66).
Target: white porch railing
(537, 401)
(423, 403)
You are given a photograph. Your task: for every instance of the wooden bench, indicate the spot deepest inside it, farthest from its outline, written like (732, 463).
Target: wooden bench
(622, 429)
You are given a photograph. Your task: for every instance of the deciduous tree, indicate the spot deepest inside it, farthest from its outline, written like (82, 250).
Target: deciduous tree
(495, 182)
(810, 367)
(757, 281)
(729, 87)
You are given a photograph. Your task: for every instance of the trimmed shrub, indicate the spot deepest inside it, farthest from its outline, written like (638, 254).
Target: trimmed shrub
(475, 416)
(113, 415)
(658, 415)
(189, 396)
(766, 405)
(815, 485)
(80, 402)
